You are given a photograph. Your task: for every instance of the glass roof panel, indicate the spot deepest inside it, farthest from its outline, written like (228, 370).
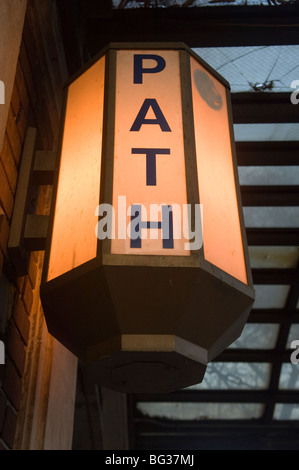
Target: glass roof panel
(201, 411)
(257, 336)
(269, 175)
(273, 256)
(270, 296)
(287, 411)
(186, 3)
(271, 216)
(289, 377)
(235, 375)
(293, 334)
(270, 132)
(255, 68)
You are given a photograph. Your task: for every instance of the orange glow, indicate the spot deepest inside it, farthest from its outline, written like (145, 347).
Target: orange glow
(73, 238)
(222, 240)
(129, 178)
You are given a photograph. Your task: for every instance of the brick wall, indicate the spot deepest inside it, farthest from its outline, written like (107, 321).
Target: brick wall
(36, 101)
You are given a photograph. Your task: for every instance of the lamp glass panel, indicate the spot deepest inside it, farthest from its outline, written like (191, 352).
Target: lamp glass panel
(148, 115)
(222, 239)
(74, 241)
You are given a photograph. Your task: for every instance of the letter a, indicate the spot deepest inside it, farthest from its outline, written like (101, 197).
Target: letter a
(160, 119)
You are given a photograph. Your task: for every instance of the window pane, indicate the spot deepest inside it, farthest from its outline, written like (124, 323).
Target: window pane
(289, 376)
(235, 375)
(267, 296)
(201, 411)
(286, 411)
(257, 336)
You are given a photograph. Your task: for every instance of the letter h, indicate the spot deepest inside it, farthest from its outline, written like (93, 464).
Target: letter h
(137, 225)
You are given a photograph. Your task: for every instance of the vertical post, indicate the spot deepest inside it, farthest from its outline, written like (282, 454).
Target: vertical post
(15, 244)
(114, 421)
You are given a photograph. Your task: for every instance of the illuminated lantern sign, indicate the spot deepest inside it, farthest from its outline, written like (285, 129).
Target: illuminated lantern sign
(146, 275)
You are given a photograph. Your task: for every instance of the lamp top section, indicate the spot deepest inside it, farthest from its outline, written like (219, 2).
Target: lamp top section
(176, 46)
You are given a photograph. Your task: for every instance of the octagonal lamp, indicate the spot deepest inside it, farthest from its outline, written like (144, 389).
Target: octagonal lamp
(146, 276)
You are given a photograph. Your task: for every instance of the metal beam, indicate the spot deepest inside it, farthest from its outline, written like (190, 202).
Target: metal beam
(196, 26)
(263, 108)
(276, 315)
(270, 195)
(215, 435)
(276, 276)
(272, 236)
(282, 153)
(220, 396)
(253, 355)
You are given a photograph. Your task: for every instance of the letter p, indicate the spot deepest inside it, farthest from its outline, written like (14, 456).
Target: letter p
(139, 69)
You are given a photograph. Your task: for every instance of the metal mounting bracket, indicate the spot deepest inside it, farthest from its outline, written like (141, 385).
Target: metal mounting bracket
(28, 230)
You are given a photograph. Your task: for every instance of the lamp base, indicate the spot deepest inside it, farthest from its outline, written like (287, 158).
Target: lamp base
(146, 372)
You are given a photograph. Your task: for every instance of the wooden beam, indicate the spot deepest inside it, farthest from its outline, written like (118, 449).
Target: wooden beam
(70, 16)
(44, 167)
(15, 243)
(35, 232)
